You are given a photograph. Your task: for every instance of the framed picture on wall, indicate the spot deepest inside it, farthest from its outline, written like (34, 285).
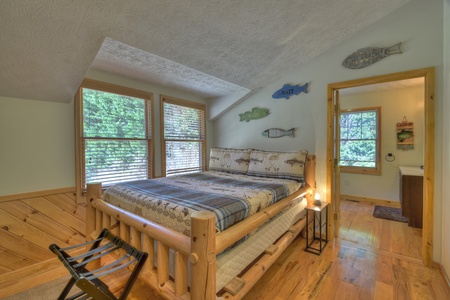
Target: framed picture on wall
(405, 135)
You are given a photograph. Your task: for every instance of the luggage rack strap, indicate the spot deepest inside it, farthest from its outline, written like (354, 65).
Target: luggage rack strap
(89, 280)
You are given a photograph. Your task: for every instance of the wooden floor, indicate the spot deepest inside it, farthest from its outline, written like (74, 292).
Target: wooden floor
(358, 226)
(371, 259)
(29, 223)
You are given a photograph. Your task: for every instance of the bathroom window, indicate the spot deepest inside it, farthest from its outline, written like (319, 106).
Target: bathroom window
(360, 140)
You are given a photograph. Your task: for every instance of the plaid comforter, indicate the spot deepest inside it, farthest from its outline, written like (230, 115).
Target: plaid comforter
(170, 201)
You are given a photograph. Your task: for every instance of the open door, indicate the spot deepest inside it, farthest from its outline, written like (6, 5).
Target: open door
(332, 179)
(337, 172)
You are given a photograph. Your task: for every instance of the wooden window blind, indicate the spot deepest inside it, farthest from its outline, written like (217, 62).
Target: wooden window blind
(184, 136)
(115, 134)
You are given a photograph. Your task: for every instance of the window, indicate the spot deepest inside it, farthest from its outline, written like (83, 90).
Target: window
(183, 134)
(113, 134)
(360, 138)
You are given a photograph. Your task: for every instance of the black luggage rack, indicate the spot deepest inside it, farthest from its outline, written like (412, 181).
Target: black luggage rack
(88, 280)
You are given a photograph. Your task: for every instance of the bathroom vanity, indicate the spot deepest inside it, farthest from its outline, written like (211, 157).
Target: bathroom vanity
(411, 194)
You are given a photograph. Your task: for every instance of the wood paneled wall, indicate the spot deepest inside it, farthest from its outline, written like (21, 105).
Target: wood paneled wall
(29, 223)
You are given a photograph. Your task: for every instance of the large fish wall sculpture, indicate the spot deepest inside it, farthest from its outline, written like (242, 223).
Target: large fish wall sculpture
(288, 90)
(366, 56)
(277, 132)
(255, 113)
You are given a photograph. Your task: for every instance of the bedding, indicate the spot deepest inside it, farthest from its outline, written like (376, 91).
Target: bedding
(231, 262)
(274, 164)
(170, 201)
(229, 160)
(200, 266)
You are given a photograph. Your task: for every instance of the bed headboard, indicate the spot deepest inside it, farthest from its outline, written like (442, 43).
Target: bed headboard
(310, 172)
(310, 175)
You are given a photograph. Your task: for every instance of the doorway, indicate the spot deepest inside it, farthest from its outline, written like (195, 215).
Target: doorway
(333, 184)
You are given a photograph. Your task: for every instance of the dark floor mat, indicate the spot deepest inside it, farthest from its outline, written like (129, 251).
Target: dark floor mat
(389, 213)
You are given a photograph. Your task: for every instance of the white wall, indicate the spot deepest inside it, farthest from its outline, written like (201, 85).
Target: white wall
(446, 169)
(37, 148)
(418, 24)
(36, 145)
(395, 104)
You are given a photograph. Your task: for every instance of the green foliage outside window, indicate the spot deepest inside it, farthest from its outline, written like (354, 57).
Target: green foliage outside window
(115, 135)
(358, 147)
(184, 136)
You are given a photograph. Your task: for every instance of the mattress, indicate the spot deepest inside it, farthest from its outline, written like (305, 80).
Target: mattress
(234, 260)
(170, 201)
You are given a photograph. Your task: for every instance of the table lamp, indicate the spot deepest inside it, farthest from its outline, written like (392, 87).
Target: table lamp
(317, 199)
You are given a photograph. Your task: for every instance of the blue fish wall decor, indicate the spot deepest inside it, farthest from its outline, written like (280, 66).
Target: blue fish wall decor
(277, 132)
(366, 56)
(288, 90)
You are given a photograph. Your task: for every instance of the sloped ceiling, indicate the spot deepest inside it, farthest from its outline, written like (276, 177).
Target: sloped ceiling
(208, 47)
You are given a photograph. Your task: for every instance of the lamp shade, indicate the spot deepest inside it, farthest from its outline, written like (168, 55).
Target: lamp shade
(317, 199)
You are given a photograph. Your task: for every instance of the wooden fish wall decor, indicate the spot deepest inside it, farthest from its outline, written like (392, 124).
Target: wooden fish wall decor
(255, 113)
(288, 90)
(277, 132)
(366, 56)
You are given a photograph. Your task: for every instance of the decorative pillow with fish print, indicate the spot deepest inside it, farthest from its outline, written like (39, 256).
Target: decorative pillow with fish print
(229, 160)
(287, 165)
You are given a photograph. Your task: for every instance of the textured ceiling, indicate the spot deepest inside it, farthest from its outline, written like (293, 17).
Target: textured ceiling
(120, 58)
(209, 47)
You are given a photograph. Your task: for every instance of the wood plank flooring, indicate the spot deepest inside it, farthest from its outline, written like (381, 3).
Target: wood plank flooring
(372, 259)
(358, 226)
(29, 223)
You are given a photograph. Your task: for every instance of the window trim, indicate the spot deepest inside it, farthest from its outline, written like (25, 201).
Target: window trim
(366, 170)
(78, 102)
(181, 102)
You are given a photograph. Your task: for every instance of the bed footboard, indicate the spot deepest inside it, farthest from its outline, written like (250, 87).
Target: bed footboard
(199, 250)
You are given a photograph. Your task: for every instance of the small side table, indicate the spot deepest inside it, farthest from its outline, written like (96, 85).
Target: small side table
(317, 243)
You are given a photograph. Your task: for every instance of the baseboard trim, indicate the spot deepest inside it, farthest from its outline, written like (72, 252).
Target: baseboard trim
(444, 276)
(37, 194)
(23, 279)
(371, 200)
(29, 277)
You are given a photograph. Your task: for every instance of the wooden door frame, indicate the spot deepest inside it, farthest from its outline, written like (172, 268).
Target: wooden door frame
(428, 191)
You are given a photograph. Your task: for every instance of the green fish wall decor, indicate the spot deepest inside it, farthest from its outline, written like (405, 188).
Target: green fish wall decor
(404, 134)
(255, 113)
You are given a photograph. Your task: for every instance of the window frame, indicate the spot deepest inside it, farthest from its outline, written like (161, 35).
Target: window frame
(364, 170)
(188, 104)
(79, 127)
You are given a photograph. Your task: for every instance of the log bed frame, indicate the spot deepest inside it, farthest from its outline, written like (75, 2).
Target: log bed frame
(199, 250)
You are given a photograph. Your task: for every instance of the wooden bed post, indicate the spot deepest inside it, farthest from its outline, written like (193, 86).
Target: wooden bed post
(203, 256)
(93, 191)
(310, 177)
